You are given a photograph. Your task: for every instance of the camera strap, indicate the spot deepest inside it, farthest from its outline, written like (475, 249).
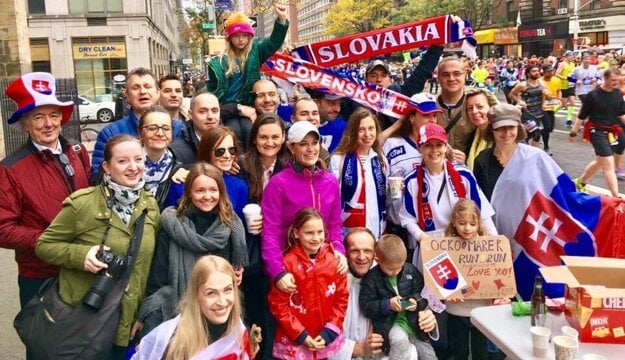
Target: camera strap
(135, 243)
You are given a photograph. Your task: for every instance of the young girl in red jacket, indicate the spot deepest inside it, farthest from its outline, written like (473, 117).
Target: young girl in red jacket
(309, 318)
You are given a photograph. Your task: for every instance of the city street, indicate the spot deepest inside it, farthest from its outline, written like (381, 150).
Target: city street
(571, 157)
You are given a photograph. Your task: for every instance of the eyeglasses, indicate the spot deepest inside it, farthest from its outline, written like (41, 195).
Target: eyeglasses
(69, 170)
(219, 152)
(153, 129)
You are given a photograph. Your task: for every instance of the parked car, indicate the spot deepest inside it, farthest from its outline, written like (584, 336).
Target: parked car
(90, 110)
(98, 94)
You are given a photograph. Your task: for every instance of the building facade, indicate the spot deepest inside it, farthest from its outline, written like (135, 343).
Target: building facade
(98, 41)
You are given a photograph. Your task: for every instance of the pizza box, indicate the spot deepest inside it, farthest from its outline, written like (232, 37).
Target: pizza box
(594, 296)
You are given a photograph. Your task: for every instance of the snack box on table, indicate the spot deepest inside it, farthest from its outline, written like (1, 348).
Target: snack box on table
(594, 297)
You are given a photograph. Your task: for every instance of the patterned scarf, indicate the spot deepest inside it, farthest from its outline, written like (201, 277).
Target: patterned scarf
(453, 179)
(352, 181)
(157, 172)
(124, 198)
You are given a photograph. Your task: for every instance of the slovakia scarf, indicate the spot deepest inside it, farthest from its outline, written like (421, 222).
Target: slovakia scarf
(351, 179)
(438, 30)
(311, 76)
(452, 178)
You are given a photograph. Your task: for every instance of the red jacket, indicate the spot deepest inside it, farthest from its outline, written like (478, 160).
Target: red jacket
(320, 300)
(33, 185)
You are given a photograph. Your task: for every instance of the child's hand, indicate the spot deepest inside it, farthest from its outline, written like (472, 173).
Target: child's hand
(413, 305)
(454, 299)
(427, 321)
(313, 344)
(287, 283)
(395, 304)
(281, 10)
(342, 266)
(321, 343)
(502, 301)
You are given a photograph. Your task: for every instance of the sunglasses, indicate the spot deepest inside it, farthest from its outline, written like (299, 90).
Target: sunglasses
(219, 152)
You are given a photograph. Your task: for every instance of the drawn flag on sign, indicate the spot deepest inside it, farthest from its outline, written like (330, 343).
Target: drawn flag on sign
(445, 274)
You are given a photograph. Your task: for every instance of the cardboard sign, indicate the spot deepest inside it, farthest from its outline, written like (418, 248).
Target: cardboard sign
(480, 268)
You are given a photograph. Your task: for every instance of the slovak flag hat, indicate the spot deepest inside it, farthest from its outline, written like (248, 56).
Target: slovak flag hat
(33, 90)
(424, 103)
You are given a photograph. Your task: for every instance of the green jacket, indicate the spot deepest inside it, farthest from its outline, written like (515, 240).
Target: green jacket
(260, 51)
(79, 226)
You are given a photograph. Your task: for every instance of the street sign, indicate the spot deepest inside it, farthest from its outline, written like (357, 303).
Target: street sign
(207, 26)
(254, 20)
(187, 61)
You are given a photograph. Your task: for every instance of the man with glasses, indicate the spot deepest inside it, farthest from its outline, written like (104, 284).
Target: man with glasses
(452, 77)
(36, 178)
(239, 118)
(142, 93)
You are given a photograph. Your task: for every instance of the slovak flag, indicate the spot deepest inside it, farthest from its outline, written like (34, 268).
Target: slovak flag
(445, 274)
(41, 86)
(538, 209)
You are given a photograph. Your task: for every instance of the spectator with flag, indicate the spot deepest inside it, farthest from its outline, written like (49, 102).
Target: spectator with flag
(536, 203)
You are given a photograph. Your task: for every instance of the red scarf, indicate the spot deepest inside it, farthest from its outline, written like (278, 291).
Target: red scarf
(452, 177)
(439, 30)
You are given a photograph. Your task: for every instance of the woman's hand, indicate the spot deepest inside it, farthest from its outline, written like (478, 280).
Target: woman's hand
(92, 264)
(238, 274)
(454, 299)
(180, 176)
(256, 226)
(456, 156)
(138, 326)
(234, 169)
(281, 8)
(427, 321)
(287, 283)
(342, 265)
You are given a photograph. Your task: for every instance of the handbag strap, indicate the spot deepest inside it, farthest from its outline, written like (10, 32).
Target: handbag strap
(135, 243)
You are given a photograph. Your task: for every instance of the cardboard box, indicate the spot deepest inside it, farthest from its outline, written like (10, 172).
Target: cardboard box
(595, 296)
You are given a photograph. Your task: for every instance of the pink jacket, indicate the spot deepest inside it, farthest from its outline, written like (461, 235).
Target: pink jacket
(288, 192)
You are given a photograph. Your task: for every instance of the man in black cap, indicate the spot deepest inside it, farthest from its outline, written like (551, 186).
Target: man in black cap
(378, 72)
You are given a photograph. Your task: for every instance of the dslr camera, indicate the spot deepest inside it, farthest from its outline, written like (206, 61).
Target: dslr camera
(105, 279)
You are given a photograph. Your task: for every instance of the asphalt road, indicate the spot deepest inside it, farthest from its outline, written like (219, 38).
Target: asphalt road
(571, 157)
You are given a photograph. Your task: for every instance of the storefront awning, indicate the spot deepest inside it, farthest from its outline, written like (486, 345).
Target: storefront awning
(485, 36)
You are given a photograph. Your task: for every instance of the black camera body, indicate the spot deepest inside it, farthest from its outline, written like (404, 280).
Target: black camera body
(105, 279)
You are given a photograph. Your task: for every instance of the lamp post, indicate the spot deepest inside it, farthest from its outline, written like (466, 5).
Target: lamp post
(576, 9)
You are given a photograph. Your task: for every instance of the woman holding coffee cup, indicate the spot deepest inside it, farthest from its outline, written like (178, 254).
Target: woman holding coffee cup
(204, 223)
(360, 167)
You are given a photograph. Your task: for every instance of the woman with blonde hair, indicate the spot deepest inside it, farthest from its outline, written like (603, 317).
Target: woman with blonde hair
(477, 102)
(360, 167)
(232, 74)
(209, 325)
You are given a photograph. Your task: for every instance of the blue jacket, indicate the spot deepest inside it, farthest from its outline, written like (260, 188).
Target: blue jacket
(126, 125)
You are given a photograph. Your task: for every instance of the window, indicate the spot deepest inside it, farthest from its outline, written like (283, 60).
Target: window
(563, 4)
(36, 7)
(95, 6)
(40, 54)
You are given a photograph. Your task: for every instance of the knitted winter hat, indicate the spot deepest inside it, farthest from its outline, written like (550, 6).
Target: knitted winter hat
(236, 23)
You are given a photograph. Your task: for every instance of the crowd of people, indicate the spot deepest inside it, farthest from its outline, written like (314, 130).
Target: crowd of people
(331, 268)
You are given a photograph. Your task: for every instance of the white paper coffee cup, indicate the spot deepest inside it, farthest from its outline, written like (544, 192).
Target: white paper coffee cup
(395, 184)
(540, 340)
(251, 213)
(565, 347)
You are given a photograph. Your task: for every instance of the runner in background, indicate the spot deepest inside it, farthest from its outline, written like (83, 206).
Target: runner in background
(568, 92)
